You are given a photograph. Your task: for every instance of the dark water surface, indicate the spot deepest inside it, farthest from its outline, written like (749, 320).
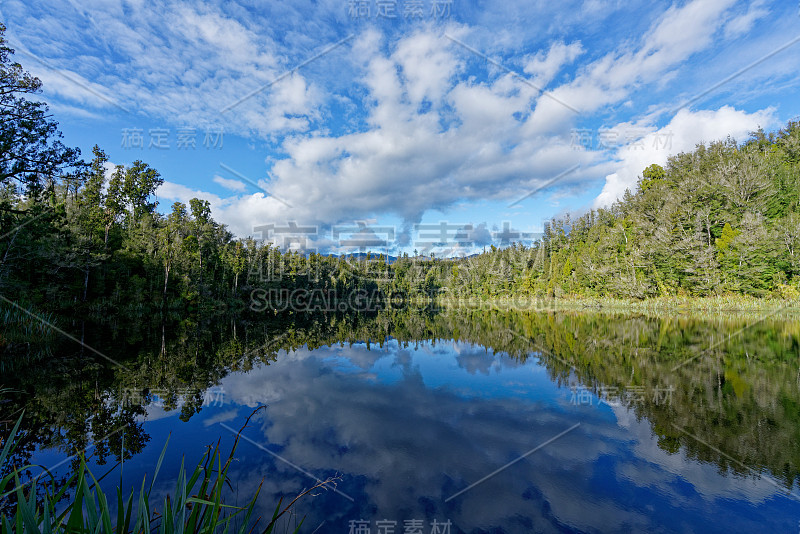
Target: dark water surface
(450, 422)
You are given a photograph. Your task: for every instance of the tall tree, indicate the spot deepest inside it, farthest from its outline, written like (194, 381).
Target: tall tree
(32, 155)
(141, 183)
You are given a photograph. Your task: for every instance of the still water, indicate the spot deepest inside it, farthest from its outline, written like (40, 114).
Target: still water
(456, 422)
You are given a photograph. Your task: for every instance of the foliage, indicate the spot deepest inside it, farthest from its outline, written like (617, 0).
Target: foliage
(196, 504)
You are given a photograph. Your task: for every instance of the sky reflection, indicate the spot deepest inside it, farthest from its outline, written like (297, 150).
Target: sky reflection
(407, 427)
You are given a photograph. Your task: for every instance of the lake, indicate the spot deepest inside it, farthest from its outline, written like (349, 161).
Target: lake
(443, 420)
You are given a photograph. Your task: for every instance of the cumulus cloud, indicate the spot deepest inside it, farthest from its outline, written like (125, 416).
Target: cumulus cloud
(230, 184)
(406, 161)
(393, 121)
(435, 137)
(181, 193)
(682, 134)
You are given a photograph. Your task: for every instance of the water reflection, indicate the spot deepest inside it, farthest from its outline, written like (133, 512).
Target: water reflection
(408, 428)
(411, 409)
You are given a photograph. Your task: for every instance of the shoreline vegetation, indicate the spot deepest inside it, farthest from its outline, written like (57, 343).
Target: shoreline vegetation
(195, 505)
(734, 305)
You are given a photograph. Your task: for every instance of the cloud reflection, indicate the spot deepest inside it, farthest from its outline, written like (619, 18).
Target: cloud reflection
(406, 429)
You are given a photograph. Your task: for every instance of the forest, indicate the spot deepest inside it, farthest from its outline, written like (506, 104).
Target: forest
(723, 219)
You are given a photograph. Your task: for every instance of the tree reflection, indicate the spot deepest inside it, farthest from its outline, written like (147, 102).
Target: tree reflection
(735, 397)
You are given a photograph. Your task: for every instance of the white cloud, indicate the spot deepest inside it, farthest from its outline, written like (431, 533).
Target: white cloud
(476, 140)
(427, 66)
(744, 22)
(232, 185)
(682, 134)
(174, 61)
(426, 124)
(408, 160)
(181, 193)
(672, 39)
(240, 213)
(73, 87)
(545, 65)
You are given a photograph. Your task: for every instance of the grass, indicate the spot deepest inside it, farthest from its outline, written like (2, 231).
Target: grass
(195, 505)
(25, 325)
(24, 337)
(718, 304)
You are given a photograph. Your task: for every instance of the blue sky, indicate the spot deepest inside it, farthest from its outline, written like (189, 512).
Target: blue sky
(345, 114)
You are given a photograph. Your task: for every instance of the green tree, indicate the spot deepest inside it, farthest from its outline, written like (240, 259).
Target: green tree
(172, 240)
(652, 175)
(141, 182)
(114, 202)
(31, 152)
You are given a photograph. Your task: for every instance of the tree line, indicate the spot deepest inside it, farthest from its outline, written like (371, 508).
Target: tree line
(723, 219)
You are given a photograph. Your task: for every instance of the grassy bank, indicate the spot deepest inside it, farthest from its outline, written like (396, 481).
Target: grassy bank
(735, 305)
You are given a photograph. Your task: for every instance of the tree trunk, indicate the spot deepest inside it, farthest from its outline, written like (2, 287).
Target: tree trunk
(5, 255)
(85, 281)
(166, 278)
